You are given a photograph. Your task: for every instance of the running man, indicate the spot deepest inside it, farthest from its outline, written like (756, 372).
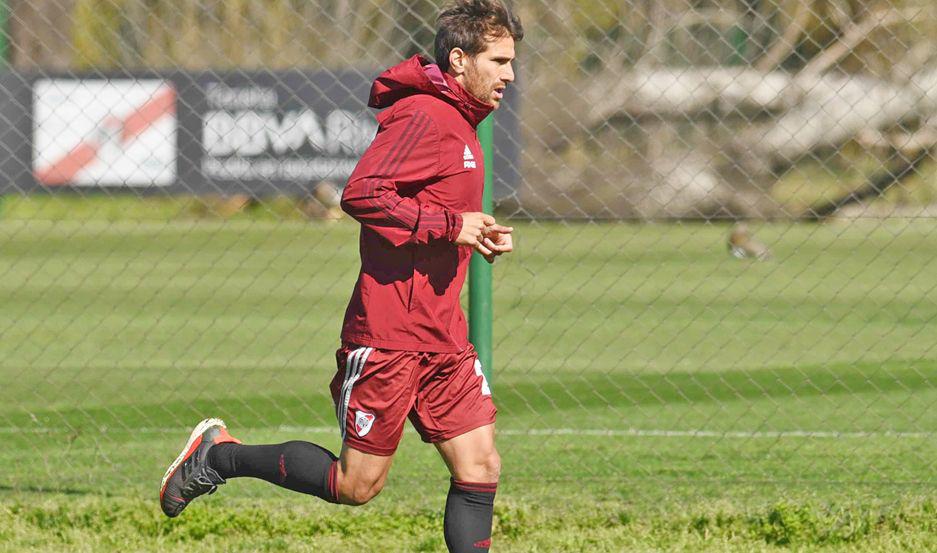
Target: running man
(417, 194)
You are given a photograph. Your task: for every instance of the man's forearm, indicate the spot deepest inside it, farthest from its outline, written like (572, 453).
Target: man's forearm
(400, 220)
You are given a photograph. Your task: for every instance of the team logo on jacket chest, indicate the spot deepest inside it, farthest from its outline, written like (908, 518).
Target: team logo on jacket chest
(468, 160)
(363, 423)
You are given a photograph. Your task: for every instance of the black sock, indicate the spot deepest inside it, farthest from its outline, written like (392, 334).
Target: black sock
(299, 466)
(469, 509)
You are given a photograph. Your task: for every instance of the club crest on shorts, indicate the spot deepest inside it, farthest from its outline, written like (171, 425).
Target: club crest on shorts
(363, 423)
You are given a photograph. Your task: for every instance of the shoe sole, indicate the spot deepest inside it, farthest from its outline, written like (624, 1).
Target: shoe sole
(196, 434)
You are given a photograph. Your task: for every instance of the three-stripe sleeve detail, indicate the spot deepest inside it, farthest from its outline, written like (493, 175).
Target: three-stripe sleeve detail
(402, 214)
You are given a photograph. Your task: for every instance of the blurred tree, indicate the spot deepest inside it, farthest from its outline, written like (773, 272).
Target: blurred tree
(39, 33)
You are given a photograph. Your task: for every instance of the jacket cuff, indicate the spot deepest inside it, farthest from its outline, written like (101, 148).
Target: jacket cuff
(432, 225)
(454, 221)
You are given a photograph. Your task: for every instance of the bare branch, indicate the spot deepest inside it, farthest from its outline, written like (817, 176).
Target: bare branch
(786, 43)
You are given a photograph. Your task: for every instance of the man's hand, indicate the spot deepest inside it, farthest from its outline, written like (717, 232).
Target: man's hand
(473, 228)
(497, 241)
(483, 233)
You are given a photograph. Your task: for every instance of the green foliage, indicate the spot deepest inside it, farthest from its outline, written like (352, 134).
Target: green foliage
(55, 521)
(95, 34)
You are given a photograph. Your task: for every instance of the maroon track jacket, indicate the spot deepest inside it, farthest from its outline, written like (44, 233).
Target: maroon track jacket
(424, 168)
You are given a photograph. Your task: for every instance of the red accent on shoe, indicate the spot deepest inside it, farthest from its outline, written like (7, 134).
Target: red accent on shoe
(224, 438)
(482, 544)
(188, 454)
(195, 444)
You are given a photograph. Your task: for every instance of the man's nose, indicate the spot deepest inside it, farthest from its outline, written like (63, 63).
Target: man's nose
(508, 74)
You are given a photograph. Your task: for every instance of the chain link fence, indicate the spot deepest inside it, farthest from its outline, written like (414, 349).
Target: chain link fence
(724, 277)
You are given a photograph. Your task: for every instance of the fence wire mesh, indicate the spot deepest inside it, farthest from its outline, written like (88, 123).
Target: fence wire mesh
(724, 277)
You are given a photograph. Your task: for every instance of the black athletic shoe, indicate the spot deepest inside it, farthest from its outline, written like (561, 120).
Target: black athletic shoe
(189, 476)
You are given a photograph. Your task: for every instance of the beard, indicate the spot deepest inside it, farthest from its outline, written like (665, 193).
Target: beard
(476, 86)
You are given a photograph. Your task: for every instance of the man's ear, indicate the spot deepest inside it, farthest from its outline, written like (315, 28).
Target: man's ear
(457, 61)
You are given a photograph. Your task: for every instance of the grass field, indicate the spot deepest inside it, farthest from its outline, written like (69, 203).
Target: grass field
(654, 393)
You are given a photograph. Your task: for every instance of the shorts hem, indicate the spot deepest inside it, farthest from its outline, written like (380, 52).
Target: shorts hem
(370, 449)
(448, 435)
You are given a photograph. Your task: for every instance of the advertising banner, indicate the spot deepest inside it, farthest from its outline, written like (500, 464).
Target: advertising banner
(256, 133)
(96, 132)
(270, 133)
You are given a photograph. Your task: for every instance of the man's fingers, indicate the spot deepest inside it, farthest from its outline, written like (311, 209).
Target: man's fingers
(499, 228)
(483, 233)
(482, 249)
(497, 249)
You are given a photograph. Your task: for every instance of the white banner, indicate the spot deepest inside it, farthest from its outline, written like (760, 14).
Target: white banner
(94, 132)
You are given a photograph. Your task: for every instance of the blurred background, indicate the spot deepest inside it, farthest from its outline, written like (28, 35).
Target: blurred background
(628, 110)
(716, 332)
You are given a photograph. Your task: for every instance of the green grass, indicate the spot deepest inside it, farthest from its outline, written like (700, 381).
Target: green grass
(614, 343)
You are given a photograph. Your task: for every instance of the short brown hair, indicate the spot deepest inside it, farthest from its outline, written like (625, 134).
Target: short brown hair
(469, 24)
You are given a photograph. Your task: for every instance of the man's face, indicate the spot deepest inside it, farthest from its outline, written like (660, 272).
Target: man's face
(488, 73)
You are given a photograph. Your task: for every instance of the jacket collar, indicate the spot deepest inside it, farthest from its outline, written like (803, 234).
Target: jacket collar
(418, 75)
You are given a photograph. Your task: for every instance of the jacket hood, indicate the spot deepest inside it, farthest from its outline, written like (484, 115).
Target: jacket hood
(418, 75)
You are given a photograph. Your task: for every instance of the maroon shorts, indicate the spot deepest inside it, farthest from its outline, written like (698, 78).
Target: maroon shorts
(444, 395)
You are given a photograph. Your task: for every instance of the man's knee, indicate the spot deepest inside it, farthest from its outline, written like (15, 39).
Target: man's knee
(360, 476)
(358, 490)
(491, 466)
(485, 467)
(359, 493)
(473, 457)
